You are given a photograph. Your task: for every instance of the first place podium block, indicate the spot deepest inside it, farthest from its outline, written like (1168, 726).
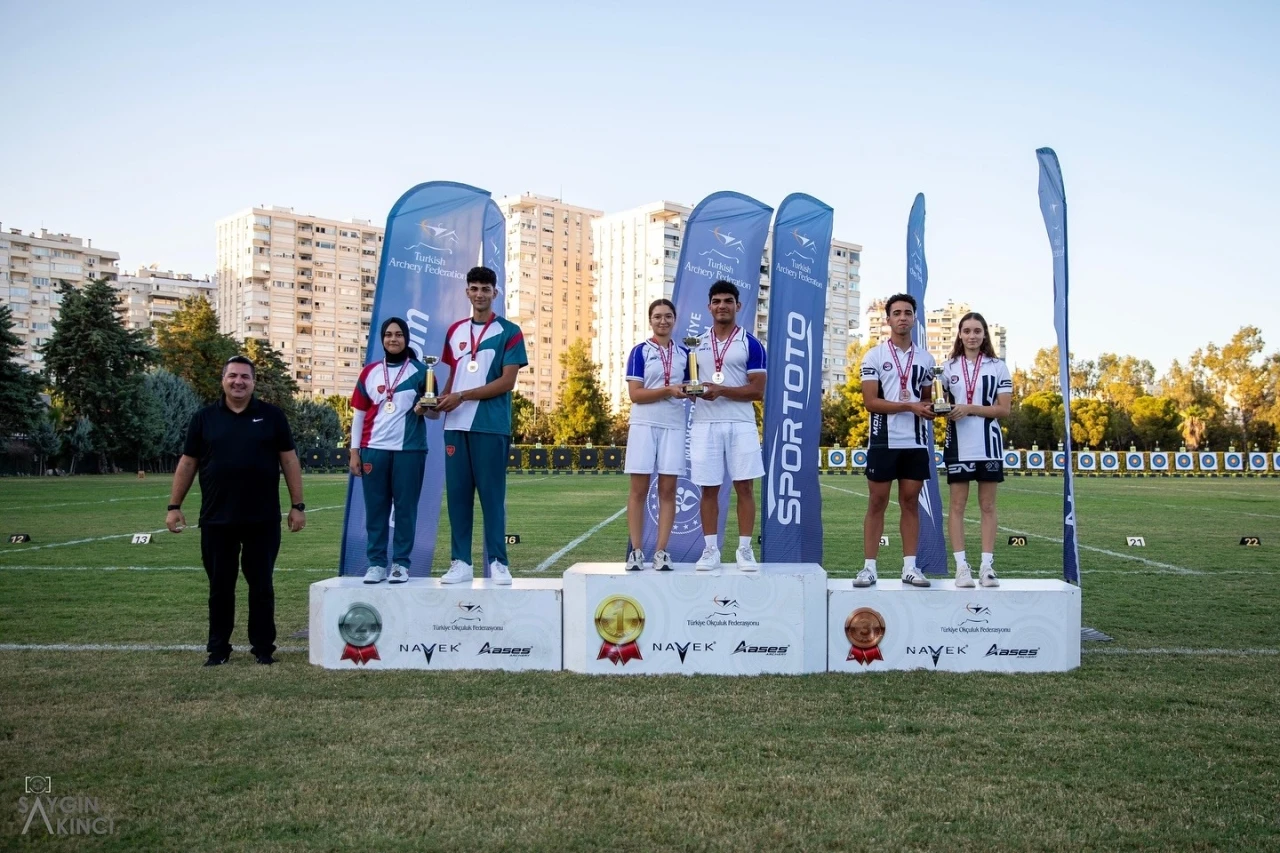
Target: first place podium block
(1019, 626)
(726, 623)
(422, 624)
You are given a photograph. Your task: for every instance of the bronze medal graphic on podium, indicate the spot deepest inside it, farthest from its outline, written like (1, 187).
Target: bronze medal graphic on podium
(864, 629)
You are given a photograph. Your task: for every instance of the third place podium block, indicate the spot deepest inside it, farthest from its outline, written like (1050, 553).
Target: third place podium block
(725, 623)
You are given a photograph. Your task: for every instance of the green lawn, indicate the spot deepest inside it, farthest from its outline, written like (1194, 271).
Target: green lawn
(1166, 738)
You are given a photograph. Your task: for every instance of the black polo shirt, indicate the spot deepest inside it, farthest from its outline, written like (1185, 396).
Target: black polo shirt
(239, 458)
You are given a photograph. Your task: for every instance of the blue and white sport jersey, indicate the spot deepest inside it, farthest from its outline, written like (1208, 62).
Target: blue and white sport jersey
(497, 344)
(373, 427)
(974, 439)
(743, 355)
(647, 364)
(903, 429)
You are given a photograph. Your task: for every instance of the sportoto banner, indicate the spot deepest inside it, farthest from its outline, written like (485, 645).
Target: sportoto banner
(791, 510)
(931, 547)
(1053, 207)
(433, 236)
(723, 239)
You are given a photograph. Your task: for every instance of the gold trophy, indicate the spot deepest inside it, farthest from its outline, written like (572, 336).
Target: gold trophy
(429, 400)
(940, 405)
(693, 387)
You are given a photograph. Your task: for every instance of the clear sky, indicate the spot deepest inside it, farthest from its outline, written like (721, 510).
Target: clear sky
(139, 125)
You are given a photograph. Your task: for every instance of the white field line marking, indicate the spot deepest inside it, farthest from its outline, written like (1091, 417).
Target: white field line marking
(1231, 653)
(128, 569)
(550, 561)
(526, 479)
(111, 647)
(106, 501)
(7, 551)
(1197, 508)
(1168, 567)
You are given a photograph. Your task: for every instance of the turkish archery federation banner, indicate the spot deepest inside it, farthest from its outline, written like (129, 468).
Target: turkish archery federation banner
(1053, 206)
(723, 239)
(433, 236)
(791, 522)
(931, 547)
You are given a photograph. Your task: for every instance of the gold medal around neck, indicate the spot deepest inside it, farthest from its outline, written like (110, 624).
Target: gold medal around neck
(619, 620)
(472, 366)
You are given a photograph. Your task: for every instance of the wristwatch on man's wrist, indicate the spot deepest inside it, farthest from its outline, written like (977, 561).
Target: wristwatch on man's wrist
(172, 507)
(300, 507)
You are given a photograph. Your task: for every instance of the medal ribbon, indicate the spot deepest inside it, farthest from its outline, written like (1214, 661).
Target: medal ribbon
(386, 378)
(619, 654)
(864, 656)
(718, 355)
(360, 654)
(970, 387)
(902, 375)
(666, 358)
(471, 330)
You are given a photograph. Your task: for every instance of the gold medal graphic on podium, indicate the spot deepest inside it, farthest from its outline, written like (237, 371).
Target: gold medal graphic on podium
(940, 404)
(429, 400)
(619, 622)
(694, 388)
(864, 629)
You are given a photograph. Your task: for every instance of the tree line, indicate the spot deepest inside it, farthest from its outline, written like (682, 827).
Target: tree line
(1218, 397)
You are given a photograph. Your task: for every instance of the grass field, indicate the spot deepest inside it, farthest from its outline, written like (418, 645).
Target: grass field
(1167, 738)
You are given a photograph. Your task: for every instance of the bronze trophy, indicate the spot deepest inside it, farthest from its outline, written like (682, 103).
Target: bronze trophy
(693, 387)
(940, 405)
(429, 400)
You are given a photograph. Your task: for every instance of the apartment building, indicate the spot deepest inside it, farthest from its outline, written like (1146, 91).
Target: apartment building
(31, 266)
(303, 283)
(154, 294)
(550, 273)
(941, 325)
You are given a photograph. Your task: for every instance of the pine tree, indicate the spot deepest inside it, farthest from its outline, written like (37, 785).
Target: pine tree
(583, 414)
(192, 348)
(274, 383)
(20, 406)
(96, 366)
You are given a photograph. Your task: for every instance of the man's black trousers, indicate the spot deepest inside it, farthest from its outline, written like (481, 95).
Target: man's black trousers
(226, 549)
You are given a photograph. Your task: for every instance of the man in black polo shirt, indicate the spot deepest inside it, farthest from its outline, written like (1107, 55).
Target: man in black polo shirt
(239, 445)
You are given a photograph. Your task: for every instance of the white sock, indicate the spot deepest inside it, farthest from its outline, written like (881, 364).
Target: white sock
(908, 564)
(961, 560)
(744, 542)
(711, 541)
(987, 559)
(869, 564)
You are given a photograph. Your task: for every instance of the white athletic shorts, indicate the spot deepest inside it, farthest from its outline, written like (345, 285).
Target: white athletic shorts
(724, 447)
(654, 450)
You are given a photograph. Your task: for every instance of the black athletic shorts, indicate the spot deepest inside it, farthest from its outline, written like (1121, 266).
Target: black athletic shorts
(886, 464)
(984, 471)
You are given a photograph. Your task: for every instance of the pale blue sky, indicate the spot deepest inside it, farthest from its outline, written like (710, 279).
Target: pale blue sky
(141, 124)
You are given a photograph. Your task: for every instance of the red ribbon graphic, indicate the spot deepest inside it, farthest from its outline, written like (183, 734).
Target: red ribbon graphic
(619, 654)
(864, 656)
(360, 654)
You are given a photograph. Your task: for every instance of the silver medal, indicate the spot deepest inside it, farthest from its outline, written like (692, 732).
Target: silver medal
(718, 377)
(389, 407)
(472, 367)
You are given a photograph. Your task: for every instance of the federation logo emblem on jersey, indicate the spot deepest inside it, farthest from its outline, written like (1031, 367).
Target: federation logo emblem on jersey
(382, 389)
(955, 378)
(368, 467)
(449, 449)
(462, 346)
(886, 366)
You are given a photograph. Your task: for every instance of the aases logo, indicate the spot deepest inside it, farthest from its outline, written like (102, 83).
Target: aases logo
(743, 648)
(996, 651)
(511, 651)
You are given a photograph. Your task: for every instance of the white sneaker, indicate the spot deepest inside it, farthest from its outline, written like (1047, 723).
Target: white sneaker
(710, 559)
(499, 574)
(747, 560)
(912, 577)
(987, 577)
(459, 572)
(865, 578)
(399, 574)
(635, 560)
(662, 561)
(964, 576)
(376, 574)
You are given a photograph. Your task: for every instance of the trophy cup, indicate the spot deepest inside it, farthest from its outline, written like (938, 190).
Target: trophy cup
(693, 387)
(429, 400)
(940, 405)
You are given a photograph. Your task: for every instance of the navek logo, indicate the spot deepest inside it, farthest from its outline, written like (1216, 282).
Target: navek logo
(772, 651)
(429, 651)
(938, 652)
(683, 649)
(510, 651)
